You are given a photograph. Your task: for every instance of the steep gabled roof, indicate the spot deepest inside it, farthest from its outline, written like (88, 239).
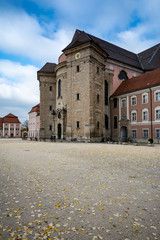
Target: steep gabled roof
(10, 118)
(35, 109)
(48, 68)
(150, 58)
(144, 81)
(114, 52)
(146, 60)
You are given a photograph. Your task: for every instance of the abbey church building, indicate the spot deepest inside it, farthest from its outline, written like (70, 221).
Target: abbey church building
(76, 94)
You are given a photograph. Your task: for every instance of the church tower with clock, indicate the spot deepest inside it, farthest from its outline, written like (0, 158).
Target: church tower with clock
(75, 93)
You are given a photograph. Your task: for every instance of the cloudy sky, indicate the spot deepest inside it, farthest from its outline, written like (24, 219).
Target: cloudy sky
(33, 32)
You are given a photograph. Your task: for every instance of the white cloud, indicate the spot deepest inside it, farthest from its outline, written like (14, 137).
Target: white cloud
(22, 35)
(18, 82)
(19, 87)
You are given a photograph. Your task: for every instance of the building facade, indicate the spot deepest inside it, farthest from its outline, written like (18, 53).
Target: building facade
(136, 108)
(10, 126)
(34, 122)
(75, 93)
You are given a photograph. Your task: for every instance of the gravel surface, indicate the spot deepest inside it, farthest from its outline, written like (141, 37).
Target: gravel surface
(79, 191)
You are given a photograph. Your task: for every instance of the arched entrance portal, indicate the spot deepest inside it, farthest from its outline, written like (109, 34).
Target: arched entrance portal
(123, 136)
(59, 131)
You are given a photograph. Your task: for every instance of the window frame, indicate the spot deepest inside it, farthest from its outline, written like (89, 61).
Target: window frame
(78, 124)
(78, 96)
(106, 92)
(145, 110)
(157, 99)
(106, 121)
(134, 103)
(59, 88)
(115, 102)
(123, 100)
(156, 133)
(135, 133)
(157, 114)
(144, 95)
(143, 133)
(133, 116)
(115, 123)
(77, 69)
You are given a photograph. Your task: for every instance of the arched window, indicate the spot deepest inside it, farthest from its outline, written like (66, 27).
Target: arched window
(59, 88)
(144, 98)
(145, 114)
(115, 122)
(157, 96)
(157, 113)
(106, 93)
(123, 75)
(134, 116)
(59, 115)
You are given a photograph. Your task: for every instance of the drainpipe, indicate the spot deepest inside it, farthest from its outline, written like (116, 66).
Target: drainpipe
(151, 110)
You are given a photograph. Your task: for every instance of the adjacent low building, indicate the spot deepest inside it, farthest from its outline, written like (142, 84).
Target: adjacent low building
(135, 108)
(34, 122)
(10, 126)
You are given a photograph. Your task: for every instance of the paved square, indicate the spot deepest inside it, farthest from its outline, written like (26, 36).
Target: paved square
(79, 191)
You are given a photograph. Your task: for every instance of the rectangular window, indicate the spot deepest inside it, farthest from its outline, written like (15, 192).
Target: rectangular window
(115, 122)
(145, 115)
(78, 96)
(115, 102)
(133, 101)
(77, 68)
(134, 133)
(50, 88)
(157, 133)
(50, 108)
(78, 124)
(97, 98)
(97, 70)
(97, 124)
(145, 133)
(157, 114)
(106, 121)
(145, 98)
(50, 127)
(134, 116)
(123, 103)
(157, 96)
(106, 92)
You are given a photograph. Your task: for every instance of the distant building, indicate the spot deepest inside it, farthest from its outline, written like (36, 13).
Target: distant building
(10, 126)
(34, 122)
(135, 108)
(75, 93)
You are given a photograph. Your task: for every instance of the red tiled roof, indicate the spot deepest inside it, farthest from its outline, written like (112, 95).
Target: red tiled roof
(144, 81)
(10, 118)
(35, 109)
(1, 121)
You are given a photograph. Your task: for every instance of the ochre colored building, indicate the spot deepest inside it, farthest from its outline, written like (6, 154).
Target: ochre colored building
(75, 94)
(10, 126)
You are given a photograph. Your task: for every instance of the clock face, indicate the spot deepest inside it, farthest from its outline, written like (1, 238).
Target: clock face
(78, 55)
